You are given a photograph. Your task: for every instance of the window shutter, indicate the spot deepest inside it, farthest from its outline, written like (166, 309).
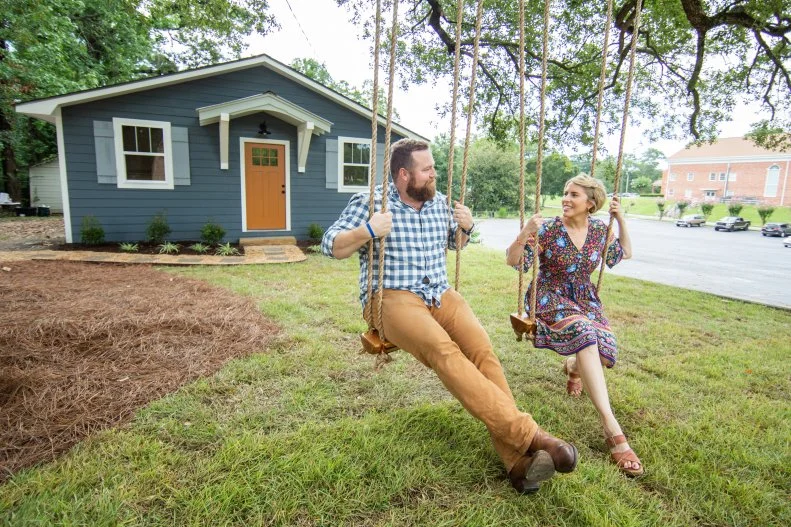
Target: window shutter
(179, 137)
(380, 160)
(105, 152)
(331, 165)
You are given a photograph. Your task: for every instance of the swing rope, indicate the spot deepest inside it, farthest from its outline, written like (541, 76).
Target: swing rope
(624, 122)
(520, 300)
(470, 107)
(454, 103)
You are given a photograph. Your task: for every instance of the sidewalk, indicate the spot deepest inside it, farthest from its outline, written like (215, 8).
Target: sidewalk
(262, 254)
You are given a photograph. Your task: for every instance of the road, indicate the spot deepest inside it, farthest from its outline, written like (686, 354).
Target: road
(741, 265)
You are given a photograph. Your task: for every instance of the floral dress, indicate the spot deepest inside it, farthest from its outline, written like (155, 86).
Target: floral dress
(569, 313)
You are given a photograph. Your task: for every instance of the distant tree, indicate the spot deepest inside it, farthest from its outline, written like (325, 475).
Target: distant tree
(493, 176)
(765, 211)
(440, 148)
(660, 205)
(734, 208)
(706, 209)
(556, 169)
(641, 184)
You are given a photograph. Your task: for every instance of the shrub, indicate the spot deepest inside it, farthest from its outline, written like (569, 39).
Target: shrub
(128, 247)
(706, 209)
(200, 248)
(660, 205)
(226, 250)
(212, 233)
(765, 211)
(502, 212)
(682, 205)
(92, 232)
(315, 231)
(734, 208)
(169, 248)
(158, 229)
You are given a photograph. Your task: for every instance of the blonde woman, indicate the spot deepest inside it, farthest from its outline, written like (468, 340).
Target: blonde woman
(569, 313)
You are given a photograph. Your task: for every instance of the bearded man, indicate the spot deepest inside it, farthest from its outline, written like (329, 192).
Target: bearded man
(424, 316)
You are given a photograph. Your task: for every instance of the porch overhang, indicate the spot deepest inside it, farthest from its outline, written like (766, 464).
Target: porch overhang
(307, 123)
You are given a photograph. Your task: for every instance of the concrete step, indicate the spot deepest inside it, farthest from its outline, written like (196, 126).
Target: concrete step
(272, 240)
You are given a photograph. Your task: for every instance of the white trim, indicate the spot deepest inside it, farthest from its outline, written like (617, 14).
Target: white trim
(120, 154)
(766, 181)
(785, 182)
(353, 188)
(287, 160)
(45, 108)
(728, 159)
(64, 185)
(225, 121)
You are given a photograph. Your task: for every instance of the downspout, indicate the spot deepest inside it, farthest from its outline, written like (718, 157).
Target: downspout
(785, 181)
(64, 185)
(727, 177)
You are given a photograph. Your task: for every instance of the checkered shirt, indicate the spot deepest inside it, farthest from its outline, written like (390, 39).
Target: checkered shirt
(414, 250)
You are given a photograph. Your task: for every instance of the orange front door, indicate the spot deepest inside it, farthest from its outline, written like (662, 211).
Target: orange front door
(265, 185)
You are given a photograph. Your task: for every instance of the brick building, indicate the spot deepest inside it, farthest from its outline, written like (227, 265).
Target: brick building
(732, 168)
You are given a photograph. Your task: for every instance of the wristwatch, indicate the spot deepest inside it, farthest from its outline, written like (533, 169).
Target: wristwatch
(467, 232)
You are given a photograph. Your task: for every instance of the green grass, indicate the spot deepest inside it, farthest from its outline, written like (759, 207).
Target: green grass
(647, 207)
(308, 433)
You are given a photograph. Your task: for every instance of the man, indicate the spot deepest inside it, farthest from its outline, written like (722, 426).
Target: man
(422, 315)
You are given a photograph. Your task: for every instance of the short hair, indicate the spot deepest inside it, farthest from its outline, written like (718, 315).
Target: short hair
(401, 153)
(594, 188)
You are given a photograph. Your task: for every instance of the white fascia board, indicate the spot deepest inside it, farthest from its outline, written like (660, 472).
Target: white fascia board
(264, 102)
(728, 159)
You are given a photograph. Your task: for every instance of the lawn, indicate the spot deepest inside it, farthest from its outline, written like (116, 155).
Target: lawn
(308, 433)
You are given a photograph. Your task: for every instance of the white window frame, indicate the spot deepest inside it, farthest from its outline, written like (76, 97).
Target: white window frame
(712, 176)
(772, 170)
(732, 176)
(672, 177)
(688, 193)
(722, 176)
(120, 154)
(352, 188)
(690, 176)
(710, 194)
(729, 194)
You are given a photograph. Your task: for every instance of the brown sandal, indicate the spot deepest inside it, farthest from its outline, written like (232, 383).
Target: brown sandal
(620, 458)
(574, 382)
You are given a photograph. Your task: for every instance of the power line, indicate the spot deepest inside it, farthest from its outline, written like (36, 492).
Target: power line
(302, 30)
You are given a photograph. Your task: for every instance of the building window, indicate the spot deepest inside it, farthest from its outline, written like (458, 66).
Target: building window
(772, 179)
(688, 193)
(728, 193)
(354, 164)
(713, 176)
(722, 176)
(731, 176)
(672, 177)
(143, 154)
(709, 194)
(670, 192)
(690, 176)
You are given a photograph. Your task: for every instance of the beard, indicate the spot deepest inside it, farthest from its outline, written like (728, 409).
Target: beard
(424, 193)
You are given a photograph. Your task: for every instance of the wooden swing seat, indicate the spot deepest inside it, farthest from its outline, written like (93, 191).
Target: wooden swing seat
(523, 326)
(374, 345)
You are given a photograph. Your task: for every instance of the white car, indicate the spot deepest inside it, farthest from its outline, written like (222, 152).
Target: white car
(787, 242)
(691, 220)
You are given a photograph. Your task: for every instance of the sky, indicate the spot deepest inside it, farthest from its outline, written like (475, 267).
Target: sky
(321, 30)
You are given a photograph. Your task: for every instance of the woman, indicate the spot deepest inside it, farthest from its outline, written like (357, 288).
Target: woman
(569, 312)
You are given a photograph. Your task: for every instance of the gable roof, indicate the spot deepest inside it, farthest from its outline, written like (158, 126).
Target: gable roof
(726, 149)
(46, 108)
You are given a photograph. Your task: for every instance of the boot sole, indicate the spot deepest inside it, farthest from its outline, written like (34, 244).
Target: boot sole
(541, 468)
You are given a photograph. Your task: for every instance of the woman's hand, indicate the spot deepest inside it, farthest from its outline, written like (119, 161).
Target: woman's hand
(615, 208)
(530, 228)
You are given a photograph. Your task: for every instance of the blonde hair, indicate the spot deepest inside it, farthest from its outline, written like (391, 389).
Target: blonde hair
(594, 188)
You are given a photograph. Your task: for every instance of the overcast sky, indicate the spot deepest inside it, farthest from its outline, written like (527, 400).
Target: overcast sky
(321, 30)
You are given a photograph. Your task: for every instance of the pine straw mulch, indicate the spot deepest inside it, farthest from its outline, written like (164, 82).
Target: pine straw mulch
(83, 346)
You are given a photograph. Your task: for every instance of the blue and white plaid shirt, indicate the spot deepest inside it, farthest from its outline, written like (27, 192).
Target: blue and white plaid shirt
(415, 249)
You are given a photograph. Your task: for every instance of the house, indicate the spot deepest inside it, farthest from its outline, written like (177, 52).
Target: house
(45, 185)
(732, 168)
(252, 145)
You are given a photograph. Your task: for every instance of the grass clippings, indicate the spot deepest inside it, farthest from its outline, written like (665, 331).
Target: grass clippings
(83, 347)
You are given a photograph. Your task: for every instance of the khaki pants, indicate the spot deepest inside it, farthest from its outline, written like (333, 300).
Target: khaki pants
(451, 341)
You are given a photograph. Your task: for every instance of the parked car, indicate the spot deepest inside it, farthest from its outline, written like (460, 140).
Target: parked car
(787, 242)
(691, 220)
(732, 223)
(776, 229)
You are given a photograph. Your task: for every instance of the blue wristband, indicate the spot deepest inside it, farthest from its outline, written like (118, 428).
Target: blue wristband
(368, 225)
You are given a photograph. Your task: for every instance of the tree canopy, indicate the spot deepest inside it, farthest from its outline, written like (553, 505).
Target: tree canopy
(695, 61)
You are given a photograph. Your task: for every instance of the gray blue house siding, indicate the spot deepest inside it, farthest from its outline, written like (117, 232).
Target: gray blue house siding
(212, 194)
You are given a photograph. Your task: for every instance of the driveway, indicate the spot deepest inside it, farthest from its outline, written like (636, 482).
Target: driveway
(741, 265)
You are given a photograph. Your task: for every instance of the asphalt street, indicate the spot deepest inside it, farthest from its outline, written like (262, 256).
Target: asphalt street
(741, 265)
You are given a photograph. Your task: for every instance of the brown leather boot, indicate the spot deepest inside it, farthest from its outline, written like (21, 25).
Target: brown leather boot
(564, 455)
(528, 473)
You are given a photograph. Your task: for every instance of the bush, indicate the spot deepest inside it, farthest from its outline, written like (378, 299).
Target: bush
(660, 205)
(200, 248)
(765, 211)
(92, 232)
(169, 248)
(212, 233)
(128, 247)
(315, 231)
(158, 229)
(502, 212)
(226, 250)
(706, 209)
(682, 205)
(734, 208)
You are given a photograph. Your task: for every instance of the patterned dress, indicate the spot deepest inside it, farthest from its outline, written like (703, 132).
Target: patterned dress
(569, 313)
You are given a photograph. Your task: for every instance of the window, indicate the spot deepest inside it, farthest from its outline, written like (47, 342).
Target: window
(690, 176)
(722, 176)
(711, 194)
(672, 177)
(728, 193)
(354, 160)
(772, 178)
(143, 154)
(688, 193)
(731, 176)
(264, 157)
(670, 192)
(713, 176)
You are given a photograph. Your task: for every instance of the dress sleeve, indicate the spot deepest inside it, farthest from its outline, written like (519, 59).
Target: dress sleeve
(614, 253)
(528, 254)
(354, 215)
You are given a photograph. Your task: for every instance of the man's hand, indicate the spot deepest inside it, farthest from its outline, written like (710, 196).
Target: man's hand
(462, 216)
(381, 223)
